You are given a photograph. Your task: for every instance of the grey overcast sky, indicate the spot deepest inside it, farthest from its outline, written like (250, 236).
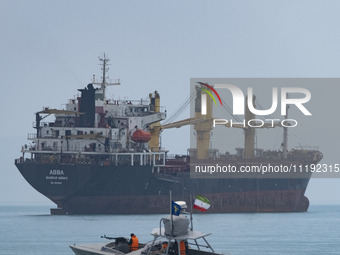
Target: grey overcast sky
(49, 49)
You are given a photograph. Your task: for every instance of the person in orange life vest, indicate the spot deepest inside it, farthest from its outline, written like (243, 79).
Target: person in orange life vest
(182, 248)
(133, 243)
(162, 249)
(164, 246)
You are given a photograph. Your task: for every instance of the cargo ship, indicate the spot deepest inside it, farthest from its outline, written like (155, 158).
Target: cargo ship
(103, 156)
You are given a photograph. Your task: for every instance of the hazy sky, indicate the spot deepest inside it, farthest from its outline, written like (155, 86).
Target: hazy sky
(49, 49)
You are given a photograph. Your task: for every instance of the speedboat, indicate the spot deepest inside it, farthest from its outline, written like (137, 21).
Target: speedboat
(174, 238)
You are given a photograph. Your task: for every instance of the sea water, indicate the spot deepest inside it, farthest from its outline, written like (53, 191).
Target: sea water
(31, 230)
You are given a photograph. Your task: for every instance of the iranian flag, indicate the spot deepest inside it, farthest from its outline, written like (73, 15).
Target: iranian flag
(201, 203)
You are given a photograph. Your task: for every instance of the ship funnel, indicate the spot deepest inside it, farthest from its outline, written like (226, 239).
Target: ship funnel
(87, 106)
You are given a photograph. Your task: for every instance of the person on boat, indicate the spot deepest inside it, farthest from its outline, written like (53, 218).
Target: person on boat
(182, 248)
(133, 242)
(162, 249)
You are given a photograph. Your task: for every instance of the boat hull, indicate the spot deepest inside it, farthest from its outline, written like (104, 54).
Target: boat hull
(90, 249)
(128, 189)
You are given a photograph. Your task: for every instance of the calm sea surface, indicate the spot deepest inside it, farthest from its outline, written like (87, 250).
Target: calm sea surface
(31, 230)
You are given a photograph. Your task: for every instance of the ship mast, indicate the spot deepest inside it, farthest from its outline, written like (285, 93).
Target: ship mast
(103, 84)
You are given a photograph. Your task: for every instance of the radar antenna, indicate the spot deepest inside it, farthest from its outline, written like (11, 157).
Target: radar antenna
(103, 84)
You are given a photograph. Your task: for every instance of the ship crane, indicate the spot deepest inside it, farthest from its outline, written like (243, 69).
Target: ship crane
(203, 125)
(48, 112)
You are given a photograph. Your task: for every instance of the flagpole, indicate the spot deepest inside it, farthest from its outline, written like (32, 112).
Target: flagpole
(170, 203)
(171, 223)
(192, 225)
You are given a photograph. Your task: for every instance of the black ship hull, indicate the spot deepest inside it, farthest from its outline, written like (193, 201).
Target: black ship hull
(129, 189)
